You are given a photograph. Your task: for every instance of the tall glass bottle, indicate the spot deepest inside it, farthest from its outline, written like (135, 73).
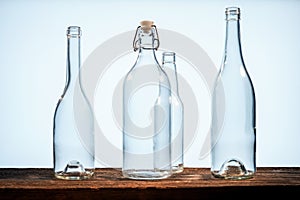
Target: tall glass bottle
(146, 112)
(233, 140)
(73, 130)
(169, 66)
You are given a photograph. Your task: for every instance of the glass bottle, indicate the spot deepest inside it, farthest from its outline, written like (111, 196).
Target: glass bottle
(233, 140)
(169, 66)
(73, 130)
(146, 112)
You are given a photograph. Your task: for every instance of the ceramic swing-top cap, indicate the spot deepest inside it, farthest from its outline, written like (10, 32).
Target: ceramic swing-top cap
(146, 25)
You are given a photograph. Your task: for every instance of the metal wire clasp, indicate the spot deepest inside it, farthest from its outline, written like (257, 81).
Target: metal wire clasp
(156, 42)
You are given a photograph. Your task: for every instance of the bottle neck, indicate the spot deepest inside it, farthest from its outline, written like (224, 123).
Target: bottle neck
(73, 58)
(233, 52)
(169, 66)
(146, 47)
(146, 57)
(233, 44)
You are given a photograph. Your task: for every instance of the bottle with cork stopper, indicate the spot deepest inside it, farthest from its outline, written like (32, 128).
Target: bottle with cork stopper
(146, 111)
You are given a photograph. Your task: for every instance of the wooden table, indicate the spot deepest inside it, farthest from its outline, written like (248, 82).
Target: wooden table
(193, 183)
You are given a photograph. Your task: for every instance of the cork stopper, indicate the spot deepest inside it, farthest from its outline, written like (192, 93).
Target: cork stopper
(146, 25)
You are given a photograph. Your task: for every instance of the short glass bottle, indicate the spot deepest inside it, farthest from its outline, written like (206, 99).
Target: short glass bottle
(146, 112)
(177, 111)
(73, 126)
(233, 139)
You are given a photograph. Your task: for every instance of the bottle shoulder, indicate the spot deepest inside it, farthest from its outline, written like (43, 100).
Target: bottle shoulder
(236, 70)
(151, 72)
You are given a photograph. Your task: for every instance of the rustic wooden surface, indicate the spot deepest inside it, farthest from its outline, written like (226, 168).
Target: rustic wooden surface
(107, 183)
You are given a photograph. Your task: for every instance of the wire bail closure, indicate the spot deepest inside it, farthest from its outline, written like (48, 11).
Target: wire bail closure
(156, 42)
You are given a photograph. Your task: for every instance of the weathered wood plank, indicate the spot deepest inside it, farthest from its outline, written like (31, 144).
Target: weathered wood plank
(109, 183)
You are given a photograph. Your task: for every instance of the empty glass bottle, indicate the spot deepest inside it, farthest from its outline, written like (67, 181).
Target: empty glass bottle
(146, 112)
(169, 66)
(233, 140)
(73, 130)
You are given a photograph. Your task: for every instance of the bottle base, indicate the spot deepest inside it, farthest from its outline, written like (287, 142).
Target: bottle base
(74, 170)
(147, 174)
(177, 169)
(234, 170)
(74, 175)
(247, 175)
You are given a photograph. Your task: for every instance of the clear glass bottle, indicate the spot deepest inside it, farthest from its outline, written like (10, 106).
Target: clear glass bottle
(233, 140)
(146, 112)
(169, 66)
(73, 128)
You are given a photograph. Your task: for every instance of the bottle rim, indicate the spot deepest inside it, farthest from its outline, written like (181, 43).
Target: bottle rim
(74, 31)
(168, 53)
(232, 13)
(168, 57)
(232, 10)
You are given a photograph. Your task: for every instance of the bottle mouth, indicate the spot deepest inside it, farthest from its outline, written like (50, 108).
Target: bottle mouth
(168, 57)
(73, 31)
(146, 36)
(232, 13)
(232, 10)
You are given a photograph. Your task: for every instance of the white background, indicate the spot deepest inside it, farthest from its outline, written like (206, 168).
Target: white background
(33, 57)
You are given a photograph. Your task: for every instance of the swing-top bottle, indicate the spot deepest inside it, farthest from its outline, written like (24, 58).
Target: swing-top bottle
(146, 111)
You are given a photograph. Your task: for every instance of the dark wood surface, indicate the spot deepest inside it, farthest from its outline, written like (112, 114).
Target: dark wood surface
(193, 183)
